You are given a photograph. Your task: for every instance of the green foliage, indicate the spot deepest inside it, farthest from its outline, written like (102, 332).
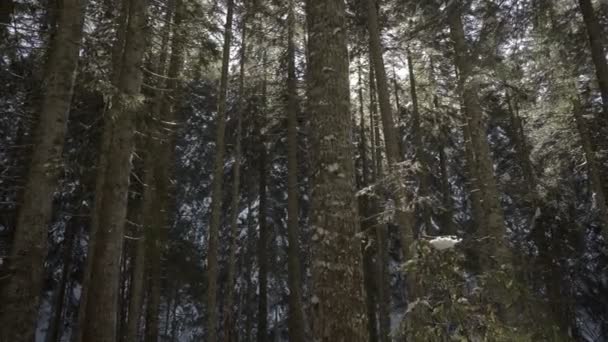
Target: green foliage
(452, 305)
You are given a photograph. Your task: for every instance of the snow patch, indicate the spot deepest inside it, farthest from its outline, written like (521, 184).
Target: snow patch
(444, 242)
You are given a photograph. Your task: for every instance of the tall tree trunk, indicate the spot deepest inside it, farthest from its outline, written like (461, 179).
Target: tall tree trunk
(218, 170)
(403, 216)
(99, 321)
(262, 250)
(297, 331)
(117, 51)
(20, 291)
(150, 207)
(491, 243)
(598, 54)
(229, 324)
(421, 156)
(262, 333)
(367, 223)
(338, 308)
(164, 147)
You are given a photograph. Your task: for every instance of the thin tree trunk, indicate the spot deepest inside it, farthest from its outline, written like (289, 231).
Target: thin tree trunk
(367, 245)
(592, 167)
(229, 324)
(421, 156)
(99, 321)
(262, 333)
(403, 215)
(56, 321)
(338, 307)
(594, 31)
(297, 332)
(375, 126)
(20, 292)
(218, 170)
(150, 207)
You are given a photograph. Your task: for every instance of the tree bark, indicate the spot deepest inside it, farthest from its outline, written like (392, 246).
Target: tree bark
(338, 308)
(218, 170)
(229, 325)
(262, 333)
(99, 321)
(297, 332)
(150, 206)
(404, 217)
(55, 323)
(594, 31)
(21, 290)
(421, 156)
(596, 185)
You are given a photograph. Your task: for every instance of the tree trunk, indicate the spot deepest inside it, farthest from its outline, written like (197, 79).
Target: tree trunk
(491, 244)
(229, 324)
(404, 217)
(218, 175)
(262, 334)
(99, 321)
(297, 332)
(421, 156)
(367, 223)
(150, 206)
(21, 289)
(55, 323)
(596, 185)
(377, 143)
(594, 31)
(338, 308)
(117, 51)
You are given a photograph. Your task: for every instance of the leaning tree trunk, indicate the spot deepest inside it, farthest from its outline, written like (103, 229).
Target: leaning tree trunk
(99, 322)
(296, 310)
(218, 174)
(20, 292)
(596, 37)
(338, 308)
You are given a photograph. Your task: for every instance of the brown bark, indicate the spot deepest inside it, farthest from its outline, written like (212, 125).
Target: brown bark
(296, 310)
(218, 170)
(101, 301)
(338, 308)
(21, 289)
(594, 31)
(229, 331)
